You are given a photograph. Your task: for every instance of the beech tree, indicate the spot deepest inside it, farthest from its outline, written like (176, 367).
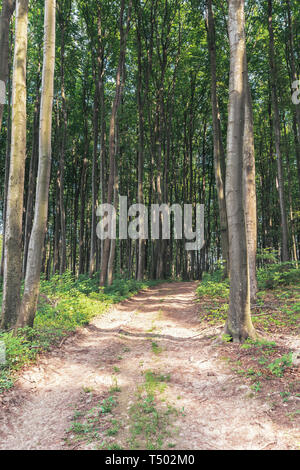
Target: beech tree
(277, 133)
(219, 153)
(124, 30)
(8, 7)
(35, 250)
(239, 325)
(14, 211)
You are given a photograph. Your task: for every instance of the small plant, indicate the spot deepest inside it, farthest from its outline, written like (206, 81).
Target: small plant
(107, 405)
(256, 387)
(156, 348)
(114, 429)
(114, 388)
(226, 338)
(280, 364)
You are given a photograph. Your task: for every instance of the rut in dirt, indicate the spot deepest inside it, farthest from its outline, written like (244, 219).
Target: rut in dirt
(217, 413)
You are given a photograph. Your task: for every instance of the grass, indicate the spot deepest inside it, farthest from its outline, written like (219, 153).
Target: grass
(94, 425)
(150, 423)
(150, 418)
(65, 304)
(278, 302)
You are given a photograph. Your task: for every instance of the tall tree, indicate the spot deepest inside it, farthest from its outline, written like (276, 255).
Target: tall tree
(219, 154)
(140, 103)
(8, 7)
(250, 185)
(239, 324)
(124, 30)
(36, 244)
(14, 212)
(277, 132)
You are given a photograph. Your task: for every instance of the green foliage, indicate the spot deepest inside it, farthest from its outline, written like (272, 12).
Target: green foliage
(149, 424)
(89, 426)
(213, 286)
(280, 274)
(278, 366)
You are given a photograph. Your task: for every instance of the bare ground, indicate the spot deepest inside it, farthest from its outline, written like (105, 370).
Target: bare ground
(217, 411)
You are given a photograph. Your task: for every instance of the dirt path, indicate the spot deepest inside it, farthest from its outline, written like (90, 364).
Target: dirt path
(157, 330)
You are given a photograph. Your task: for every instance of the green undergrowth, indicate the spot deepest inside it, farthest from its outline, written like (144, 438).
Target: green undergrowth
(278, 301)
(151, 417)
(65, 303)
(278, 275)
(95, 423)
(269, 369)
(213, 286)
(269, 372)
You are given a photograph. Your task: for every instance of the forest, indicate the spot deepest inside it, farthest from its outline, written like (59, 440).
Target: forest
(150, 224)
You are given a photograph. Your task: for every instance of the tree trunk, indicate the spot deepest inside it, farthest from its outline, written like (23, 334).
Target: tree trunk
(250, 186)
(7, 162)
(13, 229)
(32, 175)
(8, 7)
(141, 242)
(36, 244)
(277, 132)
(117, 100)
(239, 325)
(219, 154)
(294, 78)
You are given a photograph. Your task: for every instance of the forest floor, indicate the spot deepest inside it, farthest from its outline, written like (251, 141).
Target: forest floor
(148, 375)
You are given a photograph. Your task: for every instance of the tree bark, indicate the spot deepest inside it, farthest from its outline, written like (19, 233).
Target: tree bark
(294, 78)
(13, 229)
(277, 132)
(36, 244)
(32, 174)
(250, 186)
(112, 131)
(8, 7)
(219, 154)
(140, 102)
(239, 325)
(7, 161)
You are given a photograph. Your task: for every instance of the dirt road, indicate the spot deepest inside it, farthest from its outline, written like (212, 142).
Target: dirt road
(158, 331)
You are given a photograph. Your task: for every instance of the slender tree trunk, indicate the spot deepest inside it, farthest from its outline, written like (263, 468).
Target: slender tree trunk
(117, 100)
(110, 268)
(141, 242)
(32, 175)
(294, 78)
(277, 132)
(98, 101)
(36, 244)
(13, 229)
(7, 162)
(239, 325)
(219, 154)
(8, 7)
(93, 250)
(250, 186)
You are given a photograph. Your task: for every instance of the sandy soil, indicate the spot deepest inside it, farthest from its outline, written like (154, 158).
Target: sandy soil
(218, 413)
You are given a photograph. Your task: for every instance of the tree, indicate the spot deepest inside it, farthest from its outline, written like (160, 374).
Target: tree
(239, 325)
(8, 7)
(250, 185)
(277, 132)
(13, 227)
(219, 154)
(112, 133)
(35, 250)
